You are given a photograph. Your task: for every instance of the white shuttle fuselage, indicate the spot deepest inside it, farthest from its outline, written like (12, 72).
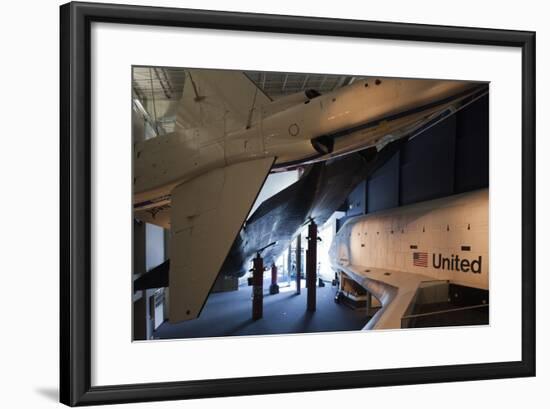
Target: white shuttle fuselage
(391, 253)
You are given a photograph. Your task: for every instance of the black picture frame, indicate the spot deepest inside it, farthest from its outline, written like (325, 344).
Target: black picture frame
(75, 203)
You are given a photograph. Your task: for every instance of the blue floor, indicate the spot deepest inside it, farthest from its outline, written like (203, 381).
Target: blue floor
(230, 314)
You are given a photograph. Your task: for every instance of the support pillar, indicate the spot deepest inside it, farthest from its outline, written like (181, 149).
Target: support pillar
(289, 265)
(311, 267)
(257, 287)
(298, 263)
(273, 288)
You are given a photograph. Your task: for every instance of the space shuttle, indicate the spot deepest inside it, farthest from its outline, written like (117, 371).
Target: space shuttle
(402, 255)
(201, 181)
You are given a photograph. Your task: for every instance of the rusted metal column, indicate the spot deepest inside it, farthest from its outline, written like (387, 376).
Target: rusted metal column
(257, 287)
(298, 263)
(311, 267)
(273, 288)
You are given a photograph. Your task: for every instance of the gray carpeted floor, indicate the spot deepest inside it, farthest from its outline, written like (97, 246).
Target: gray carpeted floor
(229, 314)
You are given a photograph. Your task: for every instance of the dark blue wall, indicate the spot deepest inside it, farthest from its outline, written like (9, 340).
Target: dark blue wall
(427, 164)
(356, 203)
(472, 147)
(449, 158)
(383, 186)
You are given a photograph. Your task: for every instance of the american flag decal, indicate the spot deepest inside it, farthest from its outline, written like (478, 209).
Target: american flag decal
(420, 259)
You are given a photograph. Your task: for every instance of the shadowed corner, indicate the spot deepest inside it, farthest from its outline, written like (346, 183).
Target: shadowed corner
(50, 393)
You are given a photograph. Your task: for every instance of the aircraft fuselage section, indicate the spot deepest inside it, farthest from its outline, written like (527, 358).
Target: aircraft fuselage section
(163, 162)
(443, 239)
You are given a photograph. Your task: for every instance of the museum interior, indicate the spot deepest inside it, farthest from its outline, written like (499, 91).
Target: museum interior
(426, 188)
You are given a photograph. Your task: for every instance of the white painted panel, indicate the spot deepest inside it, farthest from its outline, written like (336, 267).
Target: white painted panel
(438, 227)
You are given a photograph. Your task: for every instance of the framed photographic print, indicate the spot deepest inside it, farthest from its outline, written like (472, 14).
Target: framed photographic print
(263, 204)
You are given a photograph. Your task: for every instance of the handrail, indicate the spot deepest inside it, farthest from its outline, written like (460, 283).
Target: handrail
(471, 307)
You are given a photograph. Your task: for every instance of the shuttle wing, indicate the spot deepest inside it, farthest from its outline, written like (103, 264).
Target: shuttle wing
(207, 214)
(394, 289)
(220, 99)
